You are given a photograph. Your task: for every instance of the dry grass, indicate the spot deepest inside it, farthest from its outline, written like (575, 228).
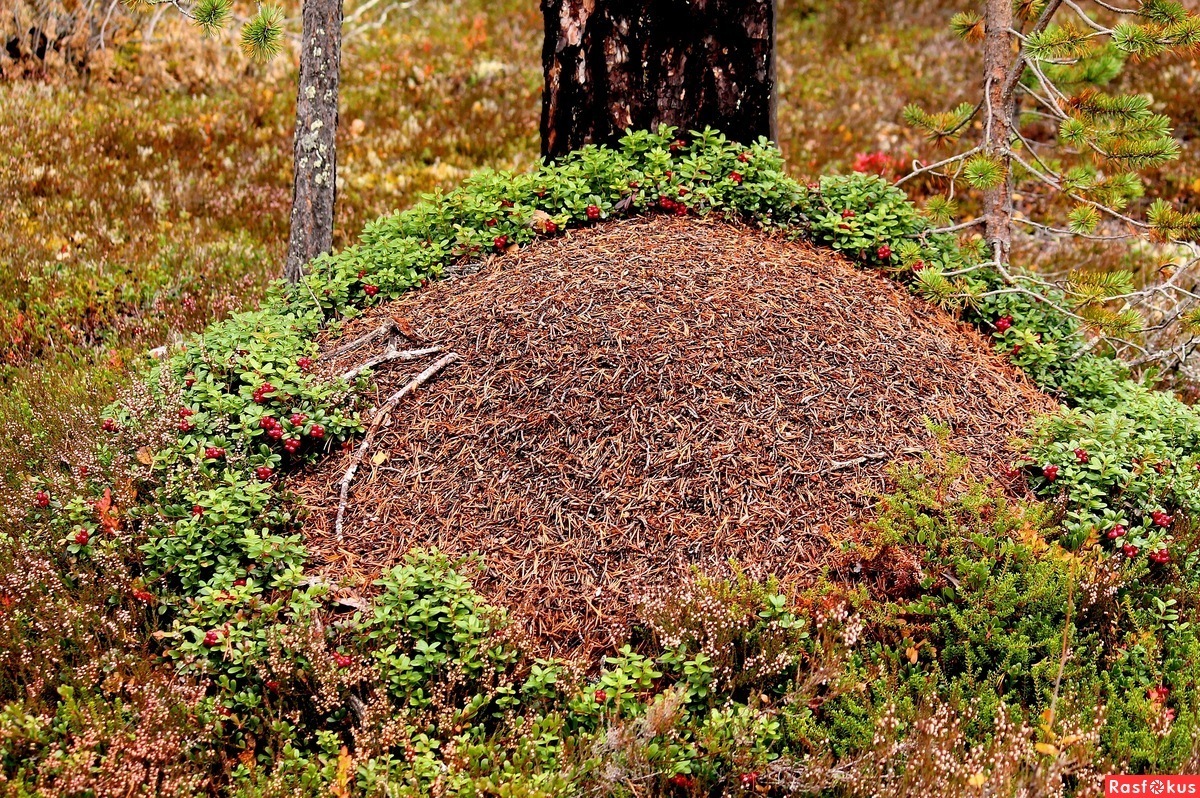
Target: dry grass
(648, 396)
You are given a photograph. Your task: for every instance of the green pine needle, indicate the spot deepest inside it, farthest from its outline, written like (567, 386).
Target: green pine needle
(262, 36)
(1083, 219)
(968, 25)
(211, 15)
(1164, 12)
(939, 209)
(983, 172)
(1168, 224)
(1058, 41)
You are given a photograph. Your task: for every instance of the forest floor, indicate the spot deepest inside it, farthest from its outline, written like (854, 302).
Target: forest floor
(154, 198)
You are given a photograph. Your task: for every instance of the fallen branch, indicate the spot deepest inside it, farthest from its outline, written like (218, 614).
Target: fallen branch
(380, 414)
(383, 331)
(387, 357)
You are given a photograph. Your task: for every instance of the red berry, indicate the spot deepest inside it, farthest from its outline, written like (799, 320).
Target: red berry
(848, 214)
(507, 203)
(683, 191)
(666, 203)
(593, 212)
(1003, 323)
(41, 499)
(491, 222)
(275, 433)
(1129, 550)
(342, 660)
(749, 780)
(109, 425)
(1161, 519)
(143, 595)
(1050, 472)
(291, 444)
(744, 157)
(263, 472)
(370, 290)
(297, 419)
(211, 638)
(81, 537)
(918, 266)
(633, 184)
(185, 425)
(267, 422)
(682, 780)
(551, 227)
(263, 391)
(1081, 456)
(189, 379)
(83, 471)
(884, 252)
(317, 431)
(668, 174)
(184, 412)
(681, 209)
(500, 242)
(1116, 532)
(197, 510)
(239, 582)
(214, 452)
(677, 145)
(735, 177)
(305, 364)
(271, 684)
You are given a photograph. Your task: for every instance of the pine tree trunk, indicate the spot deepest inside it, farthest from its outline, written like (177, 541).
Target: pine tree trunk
(314, 186)
(998, 62)
(611, 65)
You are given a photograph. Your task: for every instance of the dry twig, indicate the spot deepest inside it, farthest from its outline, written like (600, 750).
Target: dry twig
(383, 410)
(387, 357)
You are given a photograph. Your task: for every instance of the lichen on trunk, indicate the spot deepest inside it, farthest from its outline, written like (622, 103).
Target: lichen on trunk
(314, 188)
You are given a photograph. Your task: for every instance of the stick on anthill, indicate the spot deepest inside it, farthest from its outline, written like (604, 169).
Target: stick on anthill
(387, 357)
(383, 410)
(382, 331)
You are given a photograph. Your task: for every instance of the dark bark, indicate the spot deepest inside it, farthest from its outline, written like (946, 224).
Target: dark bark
(613, 65)
(314, 186)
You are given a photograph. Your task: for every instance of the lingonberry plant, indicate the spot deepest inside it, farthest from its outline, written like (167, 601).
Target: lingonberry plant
(1045, 128)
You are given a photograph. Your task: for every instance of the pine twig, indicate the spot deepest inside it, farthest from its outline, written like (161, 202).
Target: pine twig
(382, 412)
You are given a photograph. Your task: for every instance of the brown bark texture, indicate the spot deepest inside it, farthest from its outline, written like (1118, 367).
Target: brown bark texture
(998, 60)
(613, 65)
(314, 187)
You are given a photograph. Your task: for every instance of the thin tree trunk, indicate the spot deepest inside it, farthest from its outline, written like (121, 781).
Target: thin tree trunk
(612, 65)
(998, 61)
(314, 187)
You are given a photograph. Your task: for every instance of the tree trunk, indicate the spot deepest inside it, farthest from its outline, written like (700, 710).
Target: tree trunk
(999, 59)
(314, 184)
(612, 65)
